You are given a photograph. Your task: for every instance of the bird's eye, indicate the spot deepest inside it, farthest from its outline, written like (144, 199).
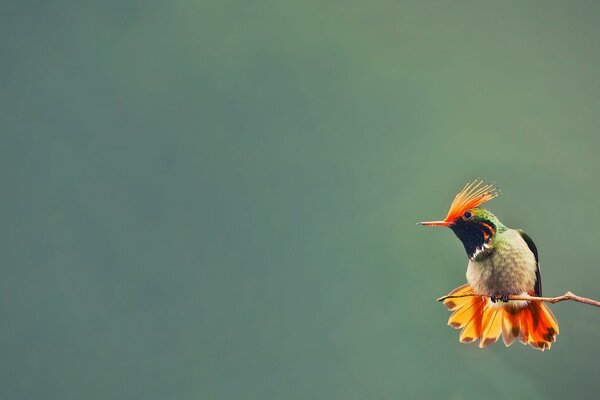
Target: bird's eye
(467, 215)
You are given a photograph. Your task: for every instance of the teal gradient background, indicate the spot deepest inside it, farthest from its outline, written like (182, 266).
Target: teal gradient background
(217, 199)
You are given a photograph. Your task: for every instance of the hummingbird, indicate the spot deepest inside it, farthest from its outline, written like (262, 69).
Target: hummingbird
(502, 262)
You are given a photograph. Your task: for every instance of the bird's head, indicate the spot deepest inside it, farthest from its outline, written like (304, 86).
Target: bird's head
(473, 225)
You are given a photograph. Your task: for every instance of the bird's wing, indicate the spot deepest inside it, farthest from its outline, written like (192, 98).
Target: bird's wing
(538, 275)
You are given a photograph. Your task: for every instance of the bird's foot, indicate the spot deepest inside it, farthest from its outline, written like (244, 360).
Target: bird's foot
(500, 297)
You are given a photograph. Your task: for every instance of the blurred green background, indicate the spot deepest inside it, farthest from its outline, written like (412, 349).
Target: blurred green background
(217, 199)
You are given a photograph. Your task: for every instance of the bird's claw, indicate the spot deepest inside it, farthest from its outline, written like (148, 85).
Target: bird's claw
(501, 297)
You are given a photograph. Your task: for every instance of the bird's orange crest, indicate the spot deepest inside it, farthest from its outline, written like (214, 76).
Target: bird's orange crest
(472, 195)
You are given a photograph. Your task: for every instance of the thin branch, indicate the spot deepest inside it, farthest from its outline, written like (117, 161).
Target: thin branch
(564, 297)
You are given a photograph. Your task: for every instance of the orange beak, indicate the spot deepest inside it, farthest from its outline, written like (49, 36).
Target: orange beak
(435, 223)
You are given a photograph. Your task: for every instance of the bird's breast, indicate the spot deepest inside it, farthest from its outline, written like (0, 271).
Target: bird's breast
(509, 268)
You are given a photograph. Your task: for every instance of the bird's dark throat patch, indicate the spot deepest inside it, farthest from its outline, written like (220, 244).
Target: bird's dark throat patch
(473, 234)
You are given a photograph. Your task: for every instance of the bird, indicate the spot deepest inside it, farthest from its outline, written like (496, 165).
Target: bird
(502, 262)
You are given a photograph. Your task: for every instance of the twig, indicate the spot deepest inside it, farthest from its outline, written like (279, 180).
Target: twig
(564, 297)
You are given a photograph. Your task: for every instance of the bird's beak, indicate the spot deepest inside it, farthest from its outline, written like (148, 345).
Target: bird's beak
(434, 223)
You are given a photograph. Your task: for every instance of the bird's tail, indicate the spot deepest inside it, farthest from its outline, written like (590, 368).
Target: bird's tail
(531, 322)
